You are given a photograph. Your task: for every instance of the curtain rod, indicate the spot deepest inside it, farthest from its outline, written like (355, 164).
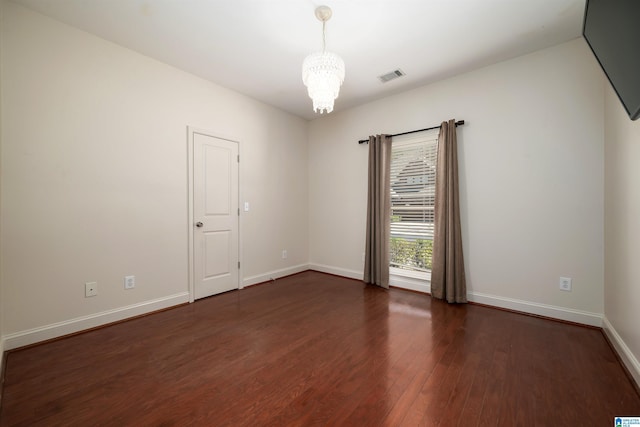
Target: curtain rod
(458, 123)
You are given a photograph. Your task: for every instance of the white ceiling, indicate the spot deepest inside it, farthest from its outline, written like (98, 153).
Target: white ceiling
(256, 47)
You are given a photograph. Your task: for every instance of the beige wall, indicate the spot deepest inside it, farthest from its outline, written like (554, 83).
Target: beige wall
(94, 161)
(622, 231)
(531, 157)
(94, 179)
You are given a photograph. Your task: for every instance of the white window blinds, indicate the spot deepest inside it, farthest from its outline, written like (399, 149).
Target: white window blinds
(413, 178)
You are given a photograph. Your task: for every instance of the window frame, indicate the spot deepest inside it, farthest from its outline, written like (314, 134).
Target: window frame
(406, 278)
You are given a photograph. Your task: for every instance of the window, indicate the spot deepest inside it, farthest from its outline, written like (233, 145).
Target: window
(413, 179)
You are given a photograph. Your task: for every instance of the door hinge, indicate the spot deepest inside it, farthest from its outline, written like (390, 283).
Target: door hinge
(238, 265)
(238, 158)
(238, 211)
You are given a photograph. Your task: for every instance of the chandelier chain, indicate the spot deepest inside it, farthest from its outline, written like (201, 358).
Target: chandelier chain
(324, 43)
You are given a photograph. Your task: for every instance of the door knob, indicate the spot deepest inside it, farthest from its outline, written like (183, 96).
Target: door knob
(199, 224)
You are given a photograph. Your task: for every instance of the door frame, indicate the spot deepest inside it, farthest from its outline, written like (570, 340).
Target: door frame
(191, 130)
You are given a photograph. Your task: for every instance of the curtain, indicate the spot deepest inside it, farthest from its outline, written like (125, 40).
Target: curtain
(447, 273)
(376, 262)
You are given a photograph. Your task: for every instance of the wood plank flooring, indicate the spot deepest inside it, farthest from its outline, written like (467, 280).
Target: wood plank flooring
(315, 350)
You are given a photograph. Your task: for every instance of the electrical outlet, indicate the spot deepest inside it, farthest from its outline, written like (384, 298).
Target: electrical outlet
(90, 289)
(129, 282)
(565, 284)
(284, 254)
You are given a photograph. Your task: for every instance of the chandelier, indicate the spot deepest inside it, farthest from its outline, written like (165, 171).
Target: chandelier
(323, 72)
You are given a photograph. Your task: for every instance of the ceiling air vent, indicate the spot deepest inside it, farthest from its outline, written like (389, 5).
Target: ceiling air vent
(390, 76)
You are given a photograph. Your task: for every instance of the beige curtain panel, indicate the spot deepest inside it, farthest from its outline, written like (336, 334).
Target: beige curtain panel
(376, 261)
(447, 273)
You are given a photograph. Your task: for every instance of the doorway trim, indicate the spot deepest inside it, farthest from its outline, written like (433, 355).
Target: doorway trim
(191, 130)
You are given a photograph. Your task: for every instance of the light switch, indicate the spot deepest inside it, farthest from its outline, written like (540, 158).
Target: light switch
(246, 206)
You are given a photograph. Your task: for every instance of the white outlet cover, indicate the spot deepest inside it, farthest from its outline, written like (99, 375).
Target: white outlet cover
(129, 282)
(565, 283)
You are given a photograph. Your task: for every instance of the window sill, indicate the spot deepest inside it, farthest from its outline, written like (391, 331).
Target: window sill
(412, 280)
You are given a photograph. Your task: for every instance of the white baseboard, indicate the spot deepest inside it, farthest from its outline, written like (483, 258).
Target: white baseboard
(561, 313)
(628, 358)
(351, 274)
(394, 280)
(555, 312)
(55, 330)
(276, 274)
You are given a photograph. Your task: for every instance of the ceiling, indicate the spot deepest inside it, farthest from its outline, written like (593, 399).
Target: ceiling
(256, 47)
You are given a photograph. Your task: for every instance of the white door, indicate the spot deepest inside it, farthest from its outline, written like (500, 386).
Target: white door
(215, 215)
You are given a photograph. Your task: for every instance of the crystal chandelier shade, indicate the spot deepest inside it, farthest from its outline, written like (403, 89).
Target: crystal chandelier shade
(323, 72)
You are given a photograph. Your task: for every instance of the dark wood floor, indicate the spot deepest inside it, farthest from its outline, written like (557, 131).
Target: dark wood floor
(314, 349)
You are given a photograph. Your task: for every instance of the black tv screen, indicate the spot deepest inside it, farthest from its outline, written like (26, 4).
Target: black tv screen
(612, 30)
